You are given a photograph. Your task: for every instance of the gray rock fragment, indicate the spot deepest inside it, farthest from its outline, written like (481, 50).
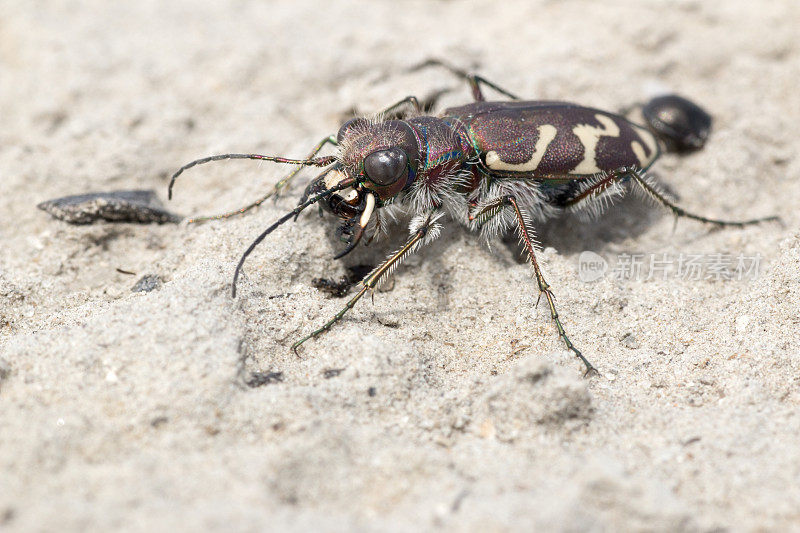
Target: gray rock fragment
(141, 207)
(147, 283)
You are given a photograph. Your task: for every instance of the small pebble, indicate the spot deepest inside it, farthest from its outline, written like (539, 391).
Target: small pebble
(332, 372)
(147, 283)
(629, 341)
(257, 379)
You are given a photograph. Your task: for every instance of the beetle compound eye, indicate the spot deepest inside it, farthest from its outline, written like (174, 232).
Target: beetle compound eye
(385, 167)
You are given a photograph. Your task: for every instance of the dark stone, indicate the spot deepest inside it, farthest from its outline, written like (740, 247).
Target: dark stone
(140, 207)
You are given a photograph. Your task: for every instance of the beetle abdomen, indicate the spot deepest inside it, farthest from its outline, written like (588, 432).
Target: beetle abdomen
(548, 139)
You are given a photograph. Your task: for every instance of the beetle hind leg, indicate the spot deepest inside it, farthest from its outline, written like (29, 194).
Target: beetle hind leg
(599, 192)
(653, 192)
(595, 195)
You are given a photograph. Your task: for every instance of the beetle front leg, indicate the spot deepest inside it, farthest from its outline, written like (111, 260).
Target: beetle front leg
(526, 237)
(429, 228)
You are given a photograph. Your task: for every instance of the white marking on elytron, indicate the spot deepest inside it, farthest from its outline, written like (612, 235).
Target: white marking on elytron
(546, 135)
(589, 137)
(638, 149)
(333, 178)
(368, 209)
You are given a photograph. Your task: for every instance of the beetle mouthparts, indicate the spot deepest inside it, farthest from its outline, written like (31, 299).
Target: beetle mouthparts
(356, 230)
(368, 210)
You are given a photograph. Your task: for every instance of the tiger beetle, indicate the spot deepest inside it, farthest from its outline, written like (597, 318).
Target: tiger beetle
(489, 165)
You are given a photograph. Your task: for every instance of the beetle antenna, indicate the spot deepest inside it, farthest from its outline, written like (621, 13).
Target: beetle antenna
(349, 182)
(314, 162)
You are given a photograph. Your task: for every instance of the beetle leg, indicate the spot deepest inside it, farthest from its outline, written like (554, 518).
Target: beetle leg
(594, 195)
(275, 191)
(412, 101)
(396, 111)
(525, 235)
(377, 230)
(474, 80)
(653, 191)
(612, 179)
(602, 184)
(377, 275)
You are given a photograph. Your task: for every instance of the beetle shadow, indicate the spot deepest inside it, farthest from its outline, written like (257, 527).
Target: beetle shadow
(432, 257)
(570, 233)
(375, 252)
(629, 217)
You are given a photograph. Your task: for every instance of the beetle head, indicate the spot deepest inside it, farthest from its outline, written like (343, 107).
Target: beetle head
(383, 155)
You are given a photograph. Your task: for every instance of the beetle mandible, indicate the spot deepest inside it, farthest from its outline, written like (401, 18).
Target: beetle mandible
(489, 165)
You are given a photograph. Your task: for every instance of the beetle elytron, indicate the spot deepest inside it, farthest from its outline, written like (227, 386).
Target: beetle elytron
(491, 166)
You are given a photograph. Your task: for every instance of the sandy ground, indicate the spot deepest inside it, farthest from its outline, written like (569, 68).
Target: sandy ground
(449, 403)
